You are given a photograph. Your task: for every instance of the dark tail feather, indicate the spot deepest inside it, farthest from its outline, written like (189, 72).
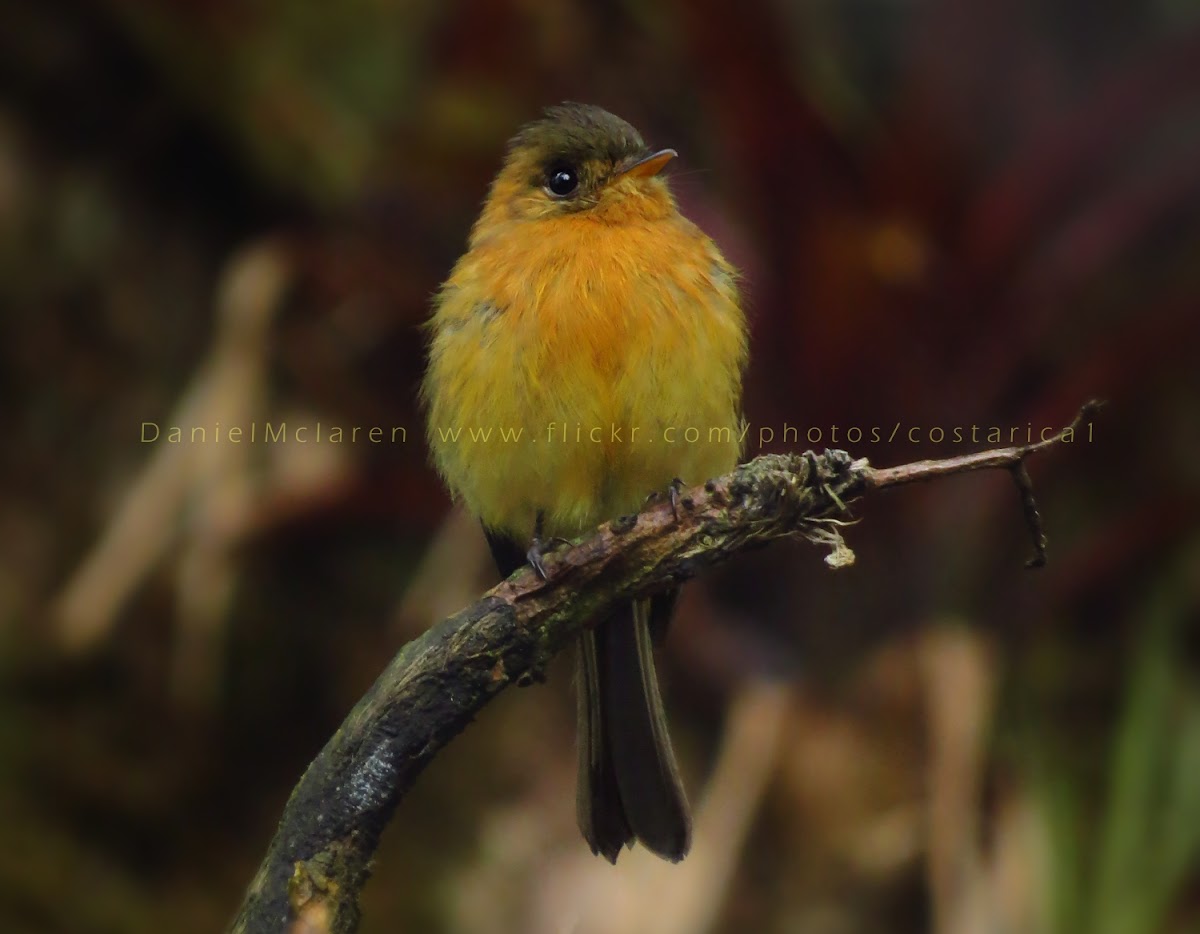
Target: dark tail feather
(597, 798)
(629, 785)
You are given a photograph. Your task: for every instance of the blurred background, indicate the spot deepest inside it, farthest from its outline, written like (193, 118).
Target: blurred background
(947, 214)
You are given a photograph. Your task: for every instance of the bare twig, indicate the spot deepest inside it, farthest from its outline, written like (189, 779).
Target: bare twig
(1012, 458)
(320, 856)
(984, 460)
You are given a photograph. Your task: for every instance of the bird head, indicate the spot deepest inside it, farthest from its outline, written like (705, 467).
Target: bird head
(579, 160)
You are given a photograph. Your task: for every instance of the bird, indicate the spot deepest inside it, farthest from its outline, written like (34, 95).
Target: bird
(585, 354)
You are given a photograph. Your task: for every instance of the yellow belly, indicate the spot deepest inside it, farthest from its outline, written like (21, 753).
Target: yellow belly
(576, 372)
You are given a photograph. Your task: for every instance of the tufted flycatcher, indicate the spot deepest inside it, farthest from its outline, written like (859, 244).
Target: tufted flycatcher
(587, 351)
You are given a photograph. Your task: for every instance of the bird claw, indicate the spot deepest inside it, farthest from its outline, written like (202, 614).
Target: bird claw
(534, 554)
(538, 548)
(534, 557)
(673, 491)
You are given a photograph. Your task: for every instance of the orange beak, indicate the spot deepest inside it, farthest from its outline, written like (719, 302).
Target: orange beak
(648, 165)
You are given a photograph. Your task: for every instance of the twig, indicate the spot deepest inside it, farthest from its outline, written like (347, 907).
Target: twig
(1012, 458)
(320, 857)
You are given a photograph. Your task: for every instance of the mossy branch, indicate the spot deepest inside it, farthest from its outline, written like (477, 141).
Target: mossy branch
(320, 857)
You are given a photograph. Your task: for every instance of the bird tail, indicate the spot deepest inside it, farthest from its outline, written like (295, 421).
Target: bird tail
(629, 786)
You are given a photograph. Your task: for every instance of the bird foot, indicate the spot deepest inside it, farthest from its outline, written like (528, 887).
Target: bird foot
(674, 488)
(538, 548)
(673, 491)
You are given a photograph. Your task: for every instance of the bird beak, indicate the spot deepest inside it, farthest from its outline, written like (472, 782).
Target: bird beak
(648, 165)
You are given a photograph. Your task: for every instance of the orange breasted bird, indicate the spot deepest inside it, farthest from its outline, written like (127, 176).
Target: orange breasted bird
(587, 351)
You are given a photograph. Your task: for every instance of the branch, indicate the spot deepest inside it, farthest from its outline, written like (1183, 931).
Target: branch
(320, 858)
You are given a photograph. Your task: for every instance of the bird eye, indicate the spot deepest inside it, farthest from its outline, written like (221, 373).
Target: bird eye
(561, 180)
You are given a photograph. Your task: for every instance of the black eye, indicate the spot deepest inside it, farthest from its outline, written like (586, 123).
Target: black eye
(561, 180)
